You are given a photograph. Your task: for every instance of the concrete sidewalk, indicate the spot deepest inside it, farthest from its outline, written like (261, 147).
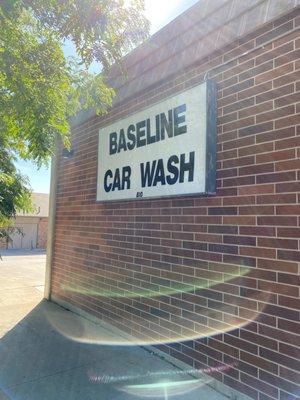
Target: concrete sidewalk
(49, 353)
(21, 285)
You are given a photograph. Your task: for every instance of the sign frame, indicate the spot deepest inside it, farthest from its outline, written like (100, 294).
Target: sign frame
(211, 146)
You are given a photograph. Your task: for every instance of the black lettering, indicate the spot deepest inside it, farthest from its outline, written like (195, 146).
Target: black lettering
(140, 133)
(179, 118)
(187, 167)
(166, 125)
(160, 173)
(116, 183)
(113, 143)
(126, 173)
(150, 139)
(122, 141)
(108, 174)
(147, 174)
(131, 137)
(157, 128)
(173, 169)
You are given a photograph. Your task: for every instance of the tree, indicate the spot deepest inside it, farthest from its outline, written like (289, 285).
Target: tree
(40, 89)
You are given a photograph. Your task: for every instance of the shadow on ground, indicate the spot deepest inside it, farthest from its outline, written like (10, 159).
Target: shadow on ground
(21, 252)
(38, 362)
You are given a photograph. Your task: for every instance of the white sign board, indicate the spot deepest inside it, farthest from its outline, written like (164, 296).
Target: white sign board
(165, 150)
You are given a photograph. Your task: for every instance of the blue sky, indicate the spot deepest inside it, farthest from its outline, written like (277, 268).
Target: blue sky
(160, 13)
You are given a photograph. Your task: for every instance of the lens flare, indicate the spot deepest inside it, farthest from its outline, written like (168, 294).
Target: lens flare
(107, 291)
(165, 388)
(159, 384)
(84, 331)
(161, 314)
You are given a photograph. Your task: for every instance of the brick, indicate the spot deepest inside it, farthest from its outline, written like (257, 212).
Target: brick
(209, 256)
(289, 279)
(263, 341)
(273, 54)
(256, 71)
(257, 189)
(287, 100)
(278, 288)
(238, 87)
(278, 382)
(239, 181)
(278, 265)
(277, 221)
(240, 260)
(276, 177)
(195, 245)
(278, 113)
(239, 200)
(257, 230)
(258, 252)
(289, 350)
(276, 199)
(227, 118)
(240, 240)
(284, 18)
(255, 129)
(247, 390)
(256, 210)
(293, 55)
(224, 348)
(255, 90)
(227, 100)
(238, 124)
(288, 187)
(290, 209)
(289, 232)
(226, 136)
(218, 248)
(273, 94)
(276, 75)
(289, 255)
(241, 344)
(275, 33)
(288, 121)
(256, 149)
(246, 141)
(223, 229)
(278, 334)
(222, 210)
(278, 243)
(239, 220)
(285, 76)
(279, 312)
(259, 108)
(279, 358)
(238, 162)
(287, 396)
(287, 165)
(276, 155)
(238, 105)
(260, 385)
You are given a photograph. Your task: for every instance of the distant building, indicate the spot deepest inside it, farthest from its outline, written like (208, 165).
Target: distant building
(31, 230)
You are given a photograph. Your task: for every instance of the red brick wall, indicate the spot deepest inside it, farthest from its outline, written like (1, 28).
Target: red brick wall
(246, 235)
(42, 233)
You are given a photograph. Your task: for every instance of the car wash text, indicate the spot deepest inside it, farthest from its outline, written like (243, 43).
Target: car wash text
(177, 168)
